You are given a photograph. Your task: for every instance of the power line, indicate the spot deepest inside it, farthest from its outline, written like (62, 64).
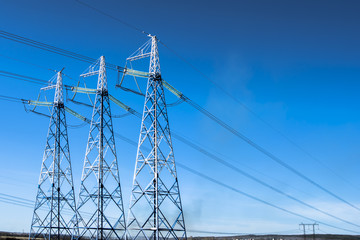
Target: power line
(270, 176)
(112, 17)
(23, 77)
(224, 91)
(223, 184)
(255, 198)
(198, 148)
(78, 56)
(258, 116)
(44, 46)
(262, 150)
(53, 49)
(33, 64)
(236, 169)
(27, 78)
(29, 203)
(63, 52)
(18, 201)
(12, 99)
(26, 62)
(225, 163)
(20, 76)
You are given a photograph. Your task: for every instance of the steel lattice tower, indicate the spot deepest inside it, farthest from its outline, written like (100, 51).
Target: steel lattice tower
(100, 191)
(155, 208)
(55, 210)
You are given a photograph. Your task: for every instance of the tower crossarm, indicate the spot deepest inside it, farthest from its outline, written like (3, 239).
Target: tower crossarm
(39, 103)
(155, 210)
(55, 212)
(100, 182)
(83, 90)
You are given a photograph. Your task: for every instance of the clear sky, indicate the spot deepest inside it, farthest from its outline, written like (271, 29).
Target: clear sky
(296, 64)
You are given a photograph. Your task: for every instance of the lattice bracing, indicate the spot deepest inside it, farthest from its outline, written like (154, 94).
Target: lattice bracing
(100, 191)
(55, 215)
(155, 210)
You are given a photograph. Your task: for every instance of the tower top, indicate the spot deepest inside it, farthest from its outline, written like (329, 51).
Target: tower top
(102, 81)
(59, 97)
(154, 67)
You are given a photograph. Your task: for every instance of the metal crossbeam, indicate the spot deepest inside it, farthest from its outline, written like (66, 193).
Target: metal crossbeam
(155, 210)
(54, 214)
(100, 191)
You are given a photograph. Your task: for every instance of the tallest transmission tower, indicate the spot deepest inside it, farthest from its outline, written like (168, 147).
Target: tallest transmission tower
(155, 208)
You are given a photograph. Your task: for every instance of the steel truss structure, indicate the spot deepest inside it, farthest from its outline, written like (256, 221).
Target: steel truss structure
(155, 210)
(100, 191)
(55, 215)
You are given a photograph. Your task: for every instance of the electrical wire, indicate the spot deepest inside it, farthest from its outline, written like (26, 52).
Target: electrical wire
(63, 52)
(198, 148)
(79, 57)
(112, 17)
(44, 46)
(225, 92)
(191, 103)
(22, 79)
(243, 165)
(247, 108)
(18, 201)
(256, 198)
(224, 185)
(239, 171)
(263, 150)
(223, 162)
(36, 65)
(53, 49)
(232, 167)
(26, 77)
(26, 62)
(12, 99)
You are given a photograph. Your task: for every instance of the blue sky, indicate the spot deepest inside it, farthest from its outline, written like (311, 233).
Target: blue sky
(295, 64)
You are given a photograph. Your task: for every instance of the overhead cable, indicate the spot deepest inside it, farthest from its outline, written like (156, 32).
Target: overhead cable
(256, 198)
(223, 184)
(53, 49)
(222, 89)
(225, 163)
(253, 144)
(238, 170)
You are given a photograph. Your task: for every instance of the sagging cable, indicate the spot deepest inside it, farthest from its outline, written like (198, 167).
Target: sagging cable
(254, 144)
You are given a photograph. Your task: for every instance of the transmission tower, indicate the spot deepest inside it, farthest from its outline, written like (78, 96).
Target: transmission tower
(155, 210)
(313, 225)
(55, 210)
(100, 191)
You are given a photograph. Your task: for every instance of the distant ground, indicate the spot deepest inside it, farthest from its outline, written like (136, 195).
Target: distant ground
(12, 236)
(22, 236)
(281, 237)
